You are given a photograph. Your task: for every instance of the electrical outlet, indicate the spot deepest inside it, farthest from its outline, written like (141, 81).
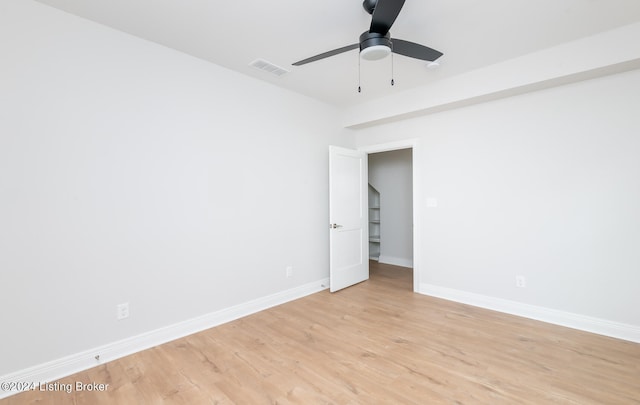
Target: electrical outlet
(122, 311)
(289, 271)
(521, 282)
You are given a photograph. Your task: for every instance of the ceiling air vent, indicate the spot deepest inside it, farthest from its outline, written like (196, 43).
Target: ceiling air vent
(268, 67)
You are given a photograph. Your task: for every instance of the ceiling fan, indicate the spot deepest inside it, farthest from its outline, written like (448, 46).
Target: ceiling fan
(377, 42)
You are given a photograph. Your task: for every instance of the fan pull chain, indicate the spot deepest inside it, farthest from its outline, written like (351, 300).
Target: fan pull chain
(359, 88)
(392, 82)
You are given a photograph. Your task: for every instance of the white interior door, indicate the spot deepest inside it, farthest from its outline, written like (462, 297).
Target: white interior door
(348, 218)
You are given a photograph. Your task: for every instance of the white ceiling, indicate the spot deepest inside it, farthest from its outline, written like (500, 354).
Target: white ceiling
(470, 33)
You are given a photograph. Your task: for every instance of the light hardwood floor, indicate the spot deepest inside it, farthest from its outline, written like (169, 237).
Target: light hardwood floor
(373, 343)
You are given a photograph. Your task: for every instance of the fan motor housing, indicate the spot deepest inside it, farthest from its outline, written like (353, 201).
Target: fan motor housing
(368, 39)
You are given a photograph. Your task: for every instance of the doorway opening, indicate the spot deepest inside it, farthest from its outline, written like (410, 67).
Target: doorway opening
(391, 211)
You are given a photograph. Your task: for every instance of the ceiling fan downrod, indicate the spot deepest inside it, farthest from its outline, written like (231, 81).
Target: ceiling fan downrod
(369, 5)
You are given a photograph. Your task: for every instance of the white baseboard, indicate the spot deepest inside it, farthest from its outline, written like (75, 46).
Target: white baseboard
(54, 370)
(568, 319)
(396, 261)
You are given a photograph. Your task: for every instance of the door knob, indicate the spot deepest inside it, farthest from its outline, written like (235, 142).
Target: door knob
(334, 226)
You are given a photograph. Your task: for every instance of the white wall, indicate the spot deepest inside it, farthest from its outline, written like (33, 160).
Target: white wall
(131, 172)
(545, 185)
(391, 174)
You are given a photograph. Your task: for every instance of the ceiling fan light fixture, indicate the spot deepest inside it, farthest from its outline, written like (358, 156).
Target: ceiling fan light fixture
(374, 46)
(375, 52)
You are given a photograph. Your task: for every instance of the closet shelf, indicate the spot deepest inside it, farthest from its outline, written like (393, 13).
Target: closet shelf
(374, 223)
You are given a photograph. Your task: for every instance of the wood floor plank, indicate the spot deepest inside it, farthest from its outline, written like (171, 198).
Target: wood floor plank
(373, 343)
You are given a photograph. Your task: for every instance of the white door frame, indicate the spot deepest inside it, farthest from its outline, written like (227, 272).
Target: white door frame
(413, 144)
